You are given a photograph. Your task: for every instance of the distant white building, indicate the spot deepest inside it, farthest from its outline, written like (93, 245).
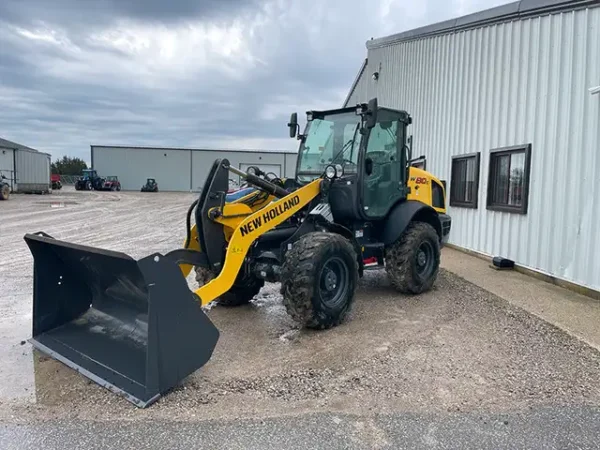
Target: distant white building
(26, 169)
(180, 169)
(506, 109)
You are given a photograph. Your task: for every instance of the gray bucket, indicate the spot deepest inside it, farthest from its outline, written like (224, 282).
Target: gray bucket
(131, 326)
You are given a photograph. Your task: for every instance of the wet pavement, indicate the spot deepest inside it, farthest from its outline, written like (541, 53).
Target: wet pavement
(430, 362)
(546, 428)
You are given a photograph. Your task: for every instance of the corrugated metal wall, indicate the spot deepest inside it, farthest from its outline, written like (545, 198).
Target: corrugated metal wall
(32, 171)
(174, 169)
(170, 168)
(501, 85)
(360, 88)
(203, 160)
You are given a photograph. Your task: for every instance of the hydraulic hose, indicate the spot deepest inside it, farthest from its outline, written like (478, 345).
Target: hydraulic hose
(261, 183)
(188, 223)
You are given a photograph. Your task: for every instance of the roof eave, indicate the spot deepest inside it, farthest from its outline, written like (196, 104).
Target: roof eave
(511, 11)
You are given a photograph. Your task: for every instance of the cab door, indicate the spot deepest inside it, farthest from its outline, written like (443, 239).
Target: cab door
(383, 181)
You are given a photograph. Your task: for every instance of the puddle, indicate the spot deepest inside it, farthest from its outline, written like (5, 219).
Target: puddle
(57, 204)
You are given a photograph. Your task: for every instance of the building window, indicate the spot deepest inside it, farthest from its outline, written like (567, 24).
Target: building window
(508, 183)
(464, 180)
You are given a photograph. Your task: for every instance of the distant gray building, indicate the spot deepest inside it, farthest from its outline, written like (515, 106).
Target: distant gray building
(506, 109)
(26, 169)
(180, 169)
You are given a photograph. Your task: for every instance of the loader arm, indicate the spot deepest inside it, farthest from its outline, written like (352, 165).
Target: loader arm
(248, 231)
(233, 213)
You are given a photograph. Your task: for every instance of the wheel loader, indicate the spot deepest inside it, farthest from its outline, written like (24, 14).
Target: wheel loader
(136, 328)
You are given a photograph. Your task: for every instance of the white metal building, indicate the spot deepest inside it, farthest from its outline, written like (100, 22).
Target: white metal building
(177, 169)
(506, 109)
(26, 170)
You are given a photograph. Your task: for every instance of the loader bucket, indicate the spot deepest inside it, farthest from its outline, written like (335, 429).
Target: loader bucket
(131, 326)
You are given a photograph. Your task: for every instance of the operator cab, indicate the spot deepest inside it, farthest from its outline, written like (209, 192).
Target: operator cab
(366, 146)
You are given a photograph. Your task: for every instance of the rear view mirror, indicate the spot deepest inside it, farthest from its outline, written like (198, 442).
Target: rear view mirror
(371, 114)
(293, 125)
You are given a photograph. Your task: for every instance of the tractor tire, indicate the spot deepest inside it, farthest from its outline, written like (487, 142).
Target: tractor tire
(118, 188)
(240, 293)
(318, 280)
(413, 261)
(113, 188)
(4, 192)
(88, 186)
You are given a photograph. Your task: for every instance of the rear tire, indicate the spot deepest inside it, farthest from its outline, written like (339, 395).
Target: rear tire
(318, 280)
(413, 261)
(243, 290)
(4, 192)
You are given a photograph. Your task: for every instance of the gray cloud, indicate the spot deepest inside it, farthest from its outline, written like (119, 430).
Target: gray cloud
(222, 73)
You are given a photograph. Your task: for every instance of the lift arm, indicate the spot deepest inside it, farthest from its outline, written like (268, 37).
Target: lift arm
(248, 231)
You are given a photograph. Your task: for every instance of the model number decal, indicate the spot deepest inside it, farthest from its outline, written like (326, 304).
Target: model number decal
(421, 180)
(271, 214)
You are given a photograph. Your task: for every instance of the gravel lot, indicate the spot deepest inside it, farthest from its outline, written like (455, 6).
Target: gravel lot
(456, 349)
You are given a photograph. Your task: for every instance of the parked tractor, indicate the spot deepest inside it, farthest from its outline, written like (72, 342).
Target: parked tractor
(88, 180)
(4, 188)
(150, 186)
(110, 183)
(55, 180)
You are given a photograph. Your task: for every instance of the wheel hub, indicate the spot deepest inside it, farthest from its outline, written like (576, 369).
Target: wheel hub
(421, 258)
(334, 282)
(330, 280)
(424, 258)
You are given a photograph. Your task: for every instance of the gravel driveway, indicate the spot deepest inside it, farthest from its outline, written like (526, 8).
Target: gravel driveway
(455, 350)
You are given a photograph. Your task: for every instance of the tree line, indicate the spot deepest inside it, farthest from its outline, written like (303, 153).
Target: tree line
(68, 166)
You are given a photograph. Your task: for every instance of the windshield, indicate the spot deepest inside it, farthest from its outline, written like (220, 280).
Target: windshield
(326, 139)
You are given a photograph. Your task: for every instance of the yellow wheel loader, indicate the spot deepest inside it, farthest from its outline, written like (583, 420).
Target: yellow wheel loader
(136, 328)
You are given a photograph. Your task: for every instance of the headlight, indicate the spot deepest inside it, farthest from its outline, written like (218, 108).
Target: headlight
(339, 170)
(330, 172)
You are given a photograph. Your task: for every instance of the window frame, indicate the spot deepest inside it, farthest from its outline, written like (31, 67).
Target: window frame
(474, 204)
(501, 151)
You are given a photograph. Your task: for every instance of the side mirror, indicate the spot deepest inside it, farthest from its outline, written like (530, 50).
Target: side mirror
(371, 114)
(293, 125)
(368, 166)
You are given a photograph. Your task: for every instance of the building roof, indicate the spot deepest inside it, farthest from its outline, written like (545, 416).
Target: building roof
(504, 13)
(133, 147)
(4, 143)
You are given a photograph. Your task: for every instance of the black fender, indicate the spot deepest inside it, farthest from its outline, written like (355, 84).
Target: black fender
(310, 225)
(403, 214)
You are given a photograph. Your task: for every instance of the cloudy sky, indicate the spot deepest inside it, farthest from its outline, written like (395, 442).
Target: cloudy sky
(188, 73)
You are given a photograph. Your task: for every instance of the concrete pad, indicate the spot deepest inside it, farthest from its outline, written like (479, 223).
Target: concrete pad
(575, 313)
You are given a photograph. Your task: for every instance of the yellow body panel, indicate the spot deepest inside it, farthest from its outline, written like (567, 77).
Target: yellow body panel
(248, 230)
(419, 182)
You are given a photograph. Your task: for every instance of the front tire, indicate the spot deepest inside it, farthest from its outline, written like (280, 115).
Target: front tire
(4, 192)
(88, 186)
(243, 290)
(413, 261)
(318, 280)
